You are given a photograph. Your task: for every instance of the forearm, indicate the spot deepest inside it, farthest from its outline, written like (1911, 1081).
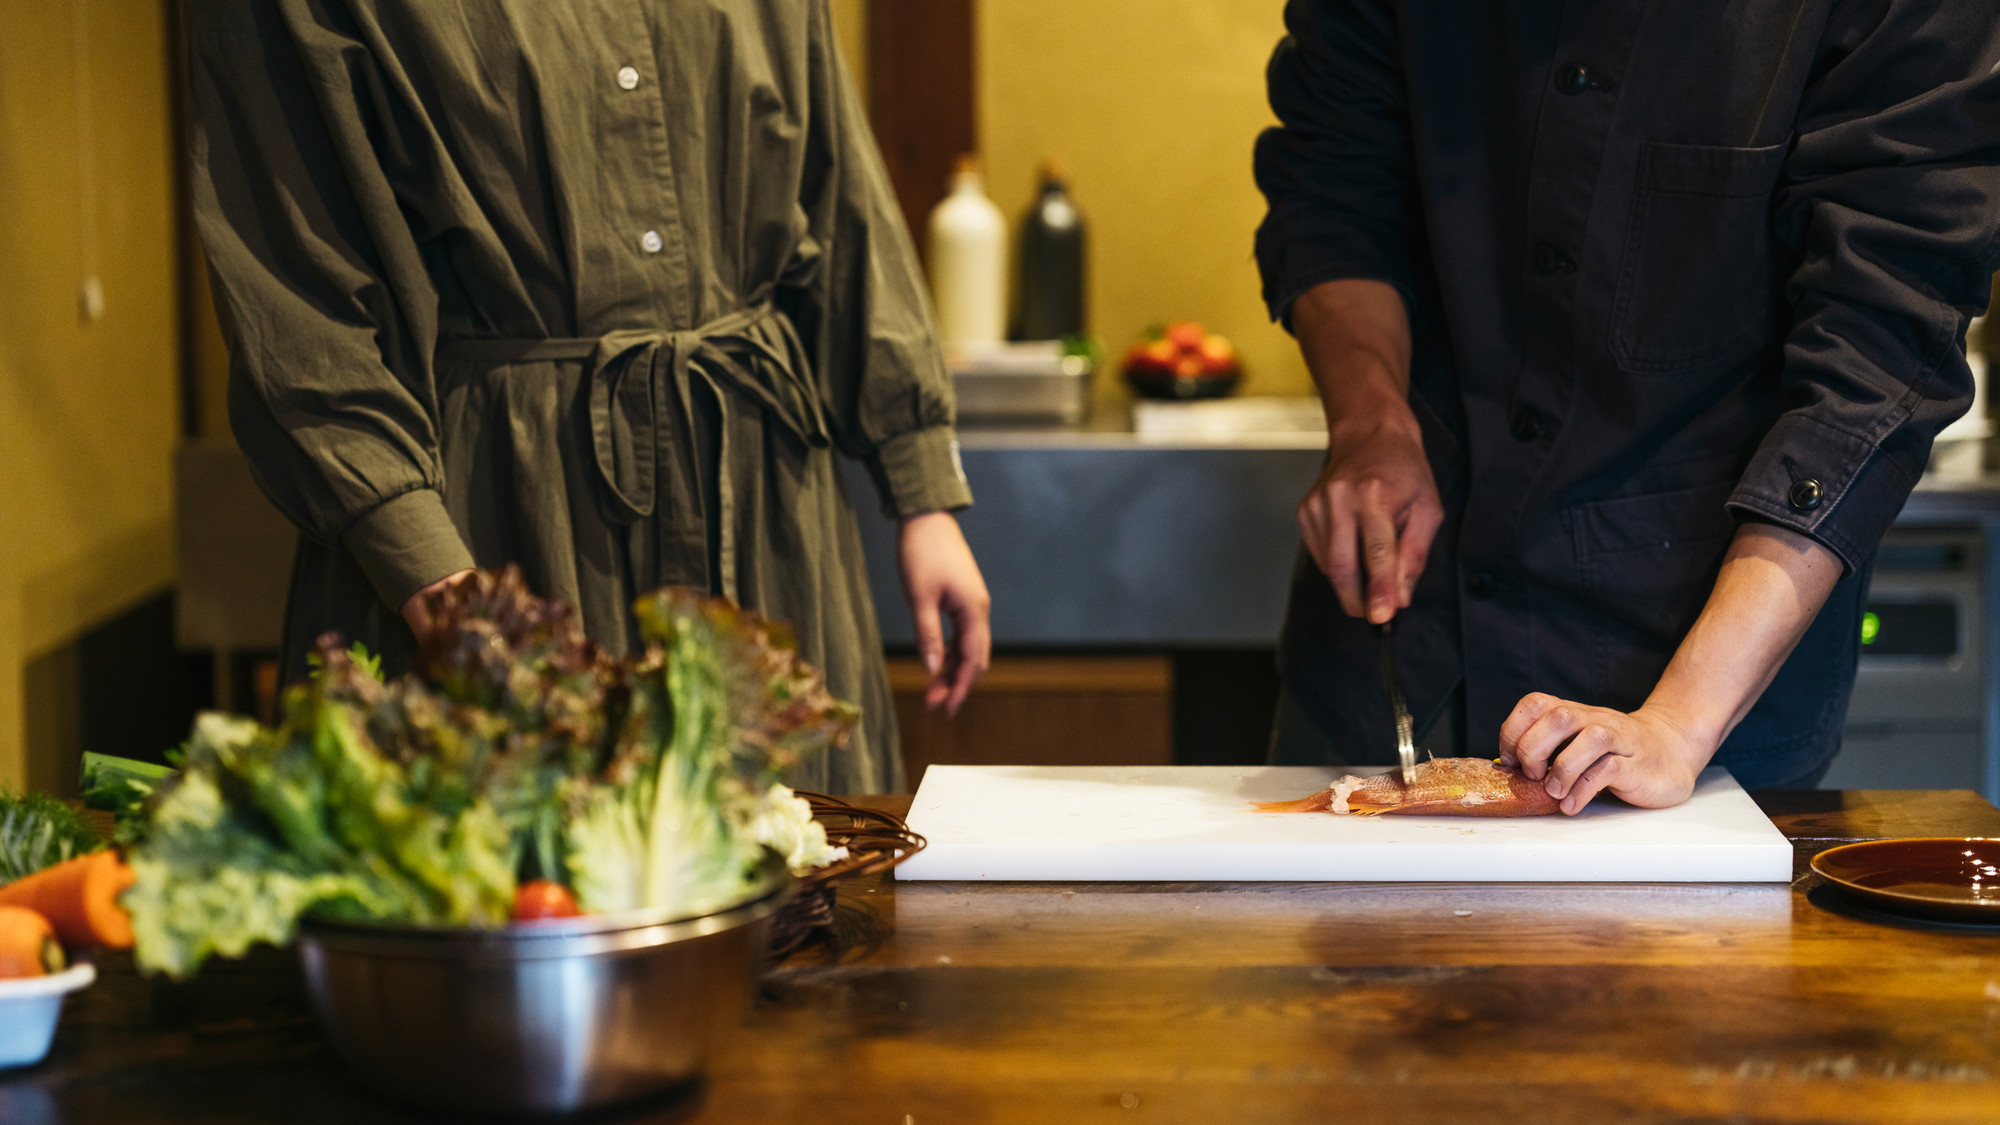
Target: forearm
(1355, 336)
(1772, 584)
(1369, 519)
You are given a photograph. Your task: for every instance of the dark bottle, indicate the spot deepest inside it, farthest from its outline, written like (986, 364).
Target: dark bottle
(1048, 294)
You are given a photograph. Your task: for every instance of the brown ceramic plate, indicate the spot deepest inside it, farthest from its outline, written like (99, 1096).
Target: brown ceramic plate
(1955, 877)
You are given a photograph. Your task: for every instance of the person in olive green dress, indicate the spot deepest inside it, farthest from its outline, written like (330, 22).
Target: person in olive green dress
(598, 288)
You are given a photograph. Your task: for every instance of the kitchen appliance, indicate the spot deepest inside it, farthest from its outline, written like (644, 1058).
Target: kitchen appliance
(1038, 382)
(1179, 823)
(1920, 696)
(550, 1017)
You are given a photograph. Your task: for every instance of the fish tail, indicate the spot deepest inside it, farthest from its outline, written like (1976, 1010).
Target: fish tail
(1318, 802)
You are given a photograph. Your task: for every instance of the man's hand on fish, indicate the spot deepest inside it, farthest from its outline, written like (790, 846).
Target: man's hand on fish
(1772, 584)
(1645, 757)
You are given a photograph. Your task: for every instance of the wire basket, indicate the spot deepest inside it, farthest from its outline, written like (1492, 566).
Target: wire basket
(875, 841)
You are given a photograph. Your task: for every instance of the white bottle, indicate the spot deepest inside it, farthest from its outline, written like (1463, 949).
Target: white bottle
(968, 259)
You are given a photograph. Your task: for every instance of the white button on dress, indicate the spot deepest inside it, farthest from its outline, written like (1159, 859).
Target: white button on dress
(628, 78)
(651, 242)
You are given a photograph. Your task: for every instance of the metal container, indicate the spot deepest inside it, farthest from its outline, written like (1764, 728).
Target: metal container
(546, 1017)
(1022, 383)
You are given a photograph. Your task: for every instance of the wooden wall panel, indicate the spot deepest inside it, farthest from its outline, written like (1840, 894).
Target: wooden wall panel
(1043, 711)
(921, 98)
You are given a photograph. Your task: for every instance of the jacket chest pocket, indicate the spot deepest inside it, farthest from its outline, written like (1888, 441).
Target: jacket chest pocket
(1699, 285)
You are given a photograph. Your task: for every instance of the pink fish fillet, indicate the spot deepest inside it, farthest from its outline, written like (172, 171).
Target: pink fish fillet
(1439, 787)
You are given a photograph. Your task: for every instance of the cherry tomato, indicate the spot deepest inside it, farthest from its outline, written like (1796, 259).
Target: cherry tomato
(544, 898)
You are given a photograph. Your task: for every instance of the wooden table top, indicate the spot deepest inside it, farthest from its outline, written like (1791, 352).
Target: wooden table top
(962, 1004)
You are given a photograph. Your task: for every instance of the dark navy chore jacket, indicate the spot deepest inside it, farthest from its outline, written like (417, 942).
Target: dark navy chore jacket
(1670, 266)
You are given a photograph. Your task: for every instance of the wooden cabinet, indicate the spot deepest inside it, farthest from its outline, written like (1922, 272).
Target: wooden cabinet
(1043, 710)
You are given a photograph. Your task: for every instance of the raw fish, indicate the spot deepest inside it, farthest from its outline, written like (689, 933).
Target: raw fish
(1439, 787)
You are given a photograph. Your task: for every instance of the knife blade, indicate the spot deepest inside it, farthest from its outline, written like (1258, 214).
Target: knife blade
(1406, 742)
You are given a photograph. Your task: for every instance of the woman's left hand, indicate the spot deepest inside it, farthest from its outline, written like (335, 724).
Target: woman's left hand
(941, 580)
(1645, 757)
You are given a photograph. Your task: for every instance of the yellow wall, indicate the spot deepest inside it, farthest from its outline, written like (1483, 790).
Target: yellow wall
(850, 30)
(88, 411)
(1153, 106)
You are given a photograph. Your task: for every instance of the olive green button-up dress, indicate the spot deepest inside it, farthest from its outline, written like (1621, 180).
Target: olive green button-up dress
(598, 287)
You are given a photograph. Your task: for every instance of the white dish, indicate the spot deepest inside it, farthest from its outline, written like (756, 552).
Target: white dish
(29, 1009)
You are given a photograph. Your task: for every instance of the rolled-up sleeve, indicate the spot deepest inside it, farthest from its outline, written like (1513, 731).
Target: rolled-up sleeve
(329, 311)
(1337, 171)
(1892, 205)
(862, 310)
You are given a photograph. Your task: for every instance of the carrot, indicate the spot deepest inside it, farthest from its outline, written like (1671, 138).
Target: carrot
(79, 897)
(28, 947)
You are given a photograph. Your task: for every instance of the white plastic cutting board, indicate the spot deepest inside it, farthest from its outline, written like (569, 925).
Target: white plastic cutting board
(1193, 823)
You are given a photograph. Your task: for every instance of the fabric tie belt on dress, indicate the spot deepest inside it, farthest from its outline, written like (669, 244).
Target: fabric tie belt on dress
(642, 409)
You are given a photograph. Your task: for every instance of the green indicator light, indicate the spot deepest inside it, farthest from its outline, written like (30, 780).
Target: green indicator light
(1871, 627)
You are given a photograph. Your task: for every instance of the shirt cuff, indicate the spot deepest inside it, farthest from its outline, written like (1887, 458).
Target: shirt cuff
(920, 472)
(406, 543)
(1834, 487)
(1293, 262)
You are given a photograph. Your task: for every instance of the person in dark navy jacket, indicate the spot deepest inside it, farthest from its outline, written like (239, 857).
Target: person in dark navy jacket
(1634, 324)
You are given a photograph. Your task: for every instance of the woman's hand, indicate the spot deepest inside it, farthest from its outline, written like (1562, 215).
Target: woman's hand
(1645, 757)
(417, 610)
(941, 580)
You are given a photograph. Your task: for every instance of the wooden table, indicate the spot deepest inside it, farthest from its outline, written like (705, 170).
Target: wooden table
(960, 1004)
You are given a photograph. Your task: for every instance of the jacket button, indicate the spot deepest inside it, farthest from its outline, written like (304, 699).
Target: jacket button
(1526, 425)
(1574, 78)
(1550, 259)
(1479, 584)
(1805, 494)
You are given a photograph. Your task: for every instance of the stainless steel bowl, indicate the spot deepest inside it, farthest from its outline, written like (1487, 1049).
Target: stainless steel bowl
(548, 1017)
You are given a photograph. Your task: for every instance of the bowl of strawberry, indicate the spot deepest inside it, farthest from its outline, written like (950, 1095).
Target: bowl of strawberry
(1182, 361)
